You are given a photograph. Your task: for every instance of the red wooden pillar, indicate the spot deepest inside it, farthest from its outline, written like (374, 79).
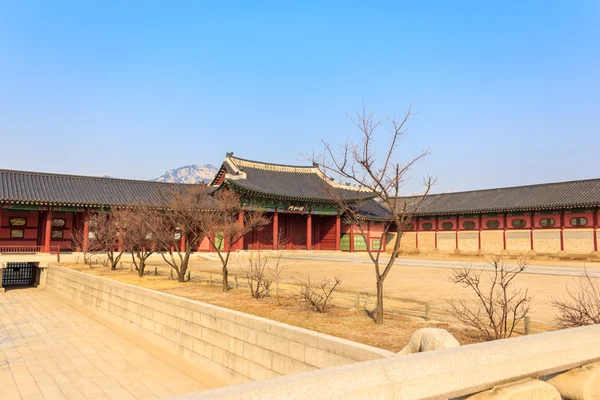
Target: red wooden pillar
(532, 228)
(416, 232)
(182, 242)
(504, 230)
(240, 245)
(338, 232)
(479, 233)
(383, 240)
(435, 233)
(562, 229)
(48, 231)
(352, 238)
(86, 232)
(309, 232)
(275, 230)
(594, 232)
(457, 228)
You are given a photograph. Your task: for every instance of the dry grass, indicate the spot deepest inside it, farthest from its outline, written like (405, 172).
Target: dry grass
(347, 323)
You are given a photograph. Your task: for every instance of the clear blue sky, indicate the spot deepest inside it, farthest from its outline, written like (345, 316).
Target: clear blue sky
(508, 91)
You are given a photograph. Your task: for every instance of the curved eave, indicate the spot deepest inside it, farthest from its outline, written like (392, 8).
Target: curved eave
(65, 204)
(507, 210)
(282, 197)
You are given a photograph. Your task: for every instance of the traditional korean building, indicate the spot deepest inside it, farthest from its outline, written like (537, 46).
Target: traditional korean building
(39, 211)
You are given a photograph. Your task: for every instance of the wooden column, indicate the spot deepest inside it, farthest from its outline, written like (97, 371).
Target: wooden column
(594, 232)
(504, 230)
(182, 242)
(383, 240)
(352, 238)
(416, 233)
(275, 230)
(532, 228)
(435, 232)
(48, 231)
(338, 232)
(86, 232)
(309, 232)
(479, 233)
(562, 229)
(240, 245)
(457, 228)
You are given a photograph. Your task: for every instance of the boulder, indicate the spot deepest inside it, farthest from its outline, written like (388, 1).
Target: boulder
(429, 339)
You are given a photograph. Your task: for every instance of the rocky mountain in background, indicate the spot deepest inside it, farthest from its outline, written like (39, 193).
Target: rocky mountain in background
(189, 174)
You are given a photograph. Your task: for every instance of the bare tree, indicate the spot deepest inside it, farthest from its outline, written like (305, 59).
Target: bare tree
(226, 225)
(84, 244)
(279, 261)
(107, 229)
(317, 295)
(498, 307)
(582, 307)
(382, 179)
(255, 270)
(178, 230)
(137, 237)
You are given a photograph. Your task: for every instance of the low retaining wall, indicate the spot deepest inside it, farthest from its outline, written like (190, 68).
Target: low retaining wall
(236, 347)
(512, 366)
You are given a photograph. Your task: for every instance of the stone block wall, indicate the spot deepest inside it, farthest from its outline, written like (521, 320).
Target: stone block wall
(579, 241)
(518, 240)
(426, 240)
(492, 241)
(408, 241)
(546, 241)
(446, 241)
(234, 346)
(468, 241)
(551, 365)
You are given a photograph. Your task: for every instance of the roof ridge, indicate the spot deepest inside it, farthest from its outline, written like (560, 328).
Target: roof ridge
(102, 178)
(311, 167)
(511, 187)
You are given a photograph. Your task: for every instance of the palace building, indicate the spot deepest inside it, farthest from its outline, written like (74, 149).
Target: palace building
(40, 211)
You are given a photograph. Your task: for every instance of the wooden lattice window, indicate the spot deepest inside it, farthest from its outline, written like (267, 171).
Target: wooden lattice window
(579, 221)
(469, 225)
(492, 224)
(427, 226)
(518, 223)
(547, 222)
(447, 226)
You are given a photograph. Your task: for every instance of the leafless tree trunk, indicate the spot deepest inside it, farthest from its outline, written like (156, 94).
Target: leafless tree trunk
(228, 222)
(498, 306)
(107, 232)
(178, 230)
(378, 182)
(137, 237)
(582, 307)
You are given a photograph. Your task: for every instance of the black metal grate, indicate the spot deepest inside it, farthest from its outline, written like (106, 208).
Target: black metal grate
(18, 273)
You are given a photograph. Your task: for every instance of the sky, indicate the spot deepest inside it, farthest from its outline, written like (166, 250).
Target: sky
(507, 92)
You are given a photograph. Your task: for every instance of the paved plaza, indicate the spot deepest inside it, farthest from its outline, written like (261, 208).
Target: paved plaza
(49, 350)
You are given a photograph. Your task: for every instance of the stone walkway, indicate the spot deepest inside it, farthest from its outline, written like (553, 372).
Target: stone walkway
(49, 350)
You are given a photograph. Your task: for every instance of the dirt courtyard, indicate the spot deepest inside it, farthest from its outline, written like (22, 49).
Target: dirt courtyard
(407, 287)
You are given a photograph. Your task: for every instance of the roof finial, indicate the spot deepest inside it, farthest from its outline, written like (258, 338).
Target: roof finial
(227, 155)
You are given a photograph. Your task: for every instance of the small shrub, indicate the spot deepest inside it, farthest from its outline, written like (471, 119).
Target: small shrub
(582, 307)
(317, 296)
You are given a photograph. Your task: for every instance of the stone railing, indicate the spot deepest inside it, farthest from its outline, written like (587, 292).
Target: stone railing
(543, 366)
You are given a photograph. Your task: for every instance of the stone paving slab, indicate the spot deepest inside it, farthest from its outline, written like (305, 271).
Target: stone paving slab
(49, 350)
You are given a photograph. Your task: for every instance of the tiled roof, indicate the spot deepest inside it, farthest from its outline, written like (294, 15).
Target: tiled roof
(56, 189)
(546, 196)
(284, 181)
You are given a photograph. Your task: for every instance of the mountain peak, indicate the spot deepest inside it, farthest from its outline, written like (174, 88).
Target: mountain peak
(194, 173)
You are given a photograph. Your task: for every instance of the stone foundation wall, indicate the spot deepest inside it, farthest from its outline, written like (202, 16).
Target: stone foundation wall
(236, 347)
(492, 241)
(446, 241)
(542, 366)
(580, 241)
(468, 241)
(546, 241)
(426, 241)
